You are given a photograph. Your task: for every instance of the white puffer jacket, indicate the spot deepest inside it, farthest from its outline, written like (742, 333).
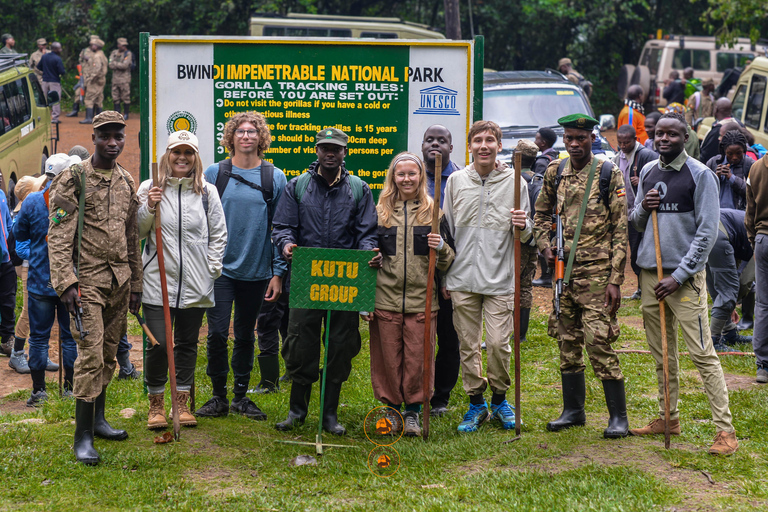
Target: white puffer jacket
(193, 246)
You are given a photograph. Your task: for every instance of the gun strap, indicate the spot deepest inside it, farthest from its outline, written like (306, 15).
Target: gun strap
(577, 233)
(80, 218)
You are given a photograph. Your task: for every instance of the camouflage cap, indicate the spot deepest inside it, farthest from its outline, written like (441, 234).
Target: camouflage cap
(108, 117)
(93, 36)
(578, 121)
(122, 41)
(527, 148)
(98, 42)
(331, 135)
(41, 41)
(79, 151)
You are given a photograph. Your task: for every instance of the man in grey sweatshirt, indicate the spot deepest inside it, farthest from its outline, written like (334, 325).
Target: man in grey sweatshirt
(685, 194)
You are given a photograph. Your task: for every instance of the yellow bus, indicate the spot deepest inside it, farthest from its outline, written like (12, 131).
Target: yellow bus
(320, 25)
(25, 124)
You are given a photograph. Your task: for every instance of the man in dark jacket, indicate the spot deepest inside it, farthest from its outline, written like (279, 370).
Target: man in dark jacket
(723, 113)
(52, 69)
(732, 168)
(323, 213)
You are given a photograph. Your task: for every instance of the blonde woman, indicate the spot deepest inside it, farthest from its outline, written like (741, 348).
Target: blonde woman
(194, 239)
(397, 324)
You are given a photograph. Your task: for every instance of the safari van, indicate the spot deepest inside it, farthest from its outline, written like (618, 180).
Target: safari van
(321, 25)
(707, 58)
(25, 123)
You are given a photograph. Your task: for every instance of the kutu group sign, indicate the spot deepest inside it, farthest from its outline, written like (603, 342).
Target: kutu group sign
(383, 94)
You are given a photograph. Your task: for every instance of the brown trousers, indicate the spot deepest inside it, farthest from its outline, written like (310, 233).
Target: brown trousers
(397, 357)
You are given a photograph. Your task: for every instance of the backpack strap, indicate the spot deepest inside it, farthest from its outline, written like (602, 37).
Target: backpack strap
(78, 173)
(267, 190)
(356, 184)
(302, 182)
(559, 175)
(222, 178)
(605, 182)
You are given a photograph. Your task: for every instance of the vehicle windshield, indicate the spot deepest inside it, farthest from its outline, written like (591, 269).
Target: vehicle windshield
(532, 107)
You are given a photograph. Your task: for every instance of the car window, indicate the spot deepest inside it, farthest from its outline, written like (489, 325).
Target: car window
(40, 100)
(17, 101)
(651, 59)
(306, 31)
(534, 107)
(738, 102)
(5, 114)
(697, 59)
(727, 60)
(379, 35)
(755, 101)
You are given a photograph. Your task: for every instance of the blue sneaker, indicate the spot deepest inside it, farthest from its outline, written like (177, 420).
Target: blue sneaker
(476, 416)
(505, 413)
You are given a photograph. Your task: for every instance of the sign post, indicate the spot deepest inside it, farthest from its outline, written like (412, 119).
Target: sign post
(333, 280)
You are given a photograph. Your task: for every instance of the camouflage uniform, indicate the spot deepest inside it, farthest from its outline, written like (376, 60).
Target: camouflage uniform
(120, 64)
(95, 66)
(528, 259)
(110, 264)
(600, 260)
(34, 59)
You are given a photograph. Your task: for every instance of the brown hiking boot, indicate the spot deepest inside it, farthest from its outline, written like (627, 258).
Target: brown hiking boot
(656, 426)
(725, 444)
(186, 419)
(157, 412)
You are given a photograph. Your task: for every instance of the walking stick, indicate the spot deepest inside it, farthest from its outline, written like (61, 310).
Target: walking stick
(428, 356)
(518, 270)
(166, 312)
(663, 319)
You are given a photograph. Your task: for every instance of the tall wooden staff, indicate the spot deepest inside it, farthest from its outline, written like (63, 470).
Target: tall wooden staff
(166, 311)
(428, 355)
(518, 271)
(663, 320)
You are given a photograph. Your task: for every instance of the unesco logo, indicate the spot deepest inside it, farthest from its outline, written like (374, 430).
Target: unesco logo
(437, 100)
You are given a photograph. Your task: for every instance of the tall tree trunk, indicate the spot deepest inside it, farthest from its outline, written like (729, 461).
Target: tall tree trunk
(452, 20)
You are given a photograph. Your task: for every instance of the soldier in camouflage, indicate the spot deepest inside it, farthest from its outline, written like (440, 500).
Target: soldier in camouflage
(120, 62)
(591, 299)
(94, 64)
(528, 254)
(103, 277)
(34, 59)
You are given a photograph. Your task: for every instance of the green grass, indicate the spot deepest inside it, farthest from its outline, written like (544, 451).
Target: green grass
(235, 463)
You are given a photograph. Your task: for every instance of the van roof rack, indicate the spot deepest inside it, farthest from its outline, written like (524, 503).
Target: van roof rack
(12, 60)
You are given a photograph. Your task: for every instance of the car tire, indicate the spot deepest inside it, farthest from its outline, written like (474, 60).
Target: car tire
(642, 77)
(625, 80)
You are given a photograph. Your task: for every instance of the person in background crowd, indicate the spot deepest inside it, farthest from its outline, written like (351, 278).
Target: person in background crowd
(7, 284)
(756, 222)
(438, 139)
(52, 69)
(32, 226)
(95, 66)
(7, 44)
(723, 114)
(650, 128)
(544, 140)
(701, 103)
(732, 169)
(674, 88)
(191, 212)
(121, 62)
(631, 159)
(684, 191)
(397, 324)
(632, 113)
(324, 207)
(528, 256)
(566, 68)
(34, 59)
(481, 280)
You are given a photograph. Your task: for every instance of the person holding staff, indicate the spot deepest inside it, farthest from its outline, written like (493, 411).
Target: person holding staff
(685, 193)
(194, 239)
(397, 324)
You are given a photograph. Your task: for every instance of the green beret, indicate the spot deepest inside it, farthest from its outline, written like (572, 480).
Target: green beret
(578, 121)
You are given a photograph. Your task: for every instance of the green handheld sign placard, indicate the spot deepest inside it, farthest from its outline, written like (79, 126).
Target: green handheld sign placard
(332, 279)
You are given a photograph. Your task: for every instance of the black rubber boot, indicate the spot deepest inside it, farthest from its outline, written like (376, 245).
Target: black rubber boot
(126, 109)
(83, 447)
(88, 116)
(747, 312)
(525, 316)
(118, 107)
(97, 110)
(75, 109)
(269, 367)
(545, 279)
(574, 392)
(101, 428)
(616, 400)
(330, 418)
(299, 404)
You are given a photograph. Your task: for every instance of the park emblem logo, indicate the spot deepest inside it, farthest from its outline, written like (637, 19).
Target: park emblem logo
(438, 101)
(380, 429)
(181, 120)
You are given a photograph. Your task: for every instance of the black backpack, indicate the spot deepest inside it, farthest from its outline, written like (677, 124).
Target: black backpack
(605, 179)
(266, 188)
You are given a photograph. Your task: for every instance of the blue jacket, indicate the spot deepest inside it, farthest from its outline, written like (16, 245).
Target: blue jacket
(443, 180)
(5, 223)
(327, 216)
(52, 67)
(32, 224)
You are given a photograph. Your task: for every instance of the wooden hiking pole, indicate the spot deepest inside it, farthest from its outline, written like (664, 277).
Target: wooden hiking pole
(663, 320)
(518, 270)
(166, 311)
(428, 356)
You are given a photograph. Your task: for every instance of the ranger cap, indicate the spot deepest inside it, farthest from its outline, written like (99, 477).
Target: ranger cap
(578, 121)
(108, 117)
(331, 136)
(122, 40)
(41, 41)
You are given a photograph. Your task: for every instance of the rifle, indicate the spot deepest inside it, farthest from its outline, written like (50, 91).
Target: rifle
(557, 225)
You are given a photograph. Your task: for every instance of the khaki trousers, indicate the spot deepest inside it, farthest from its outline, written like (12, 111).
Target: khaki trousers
(22, 324)
(469, 309)
(688, 307)
(94, 92)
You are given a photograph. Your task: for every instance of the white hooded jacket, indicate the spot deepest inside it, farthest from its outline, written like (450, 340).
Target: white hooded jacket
(193, 245)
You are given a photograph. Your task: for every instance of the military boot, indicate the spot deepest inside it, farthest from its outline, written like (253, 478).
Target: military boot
(84, 420)
(299, 404)
(88, 116)
(574, 393)
(126, 109)
(525, 317)
(101, 428)
(615, 398)
(269, 367)
(330, 408)
(75, 109)
(545, 279)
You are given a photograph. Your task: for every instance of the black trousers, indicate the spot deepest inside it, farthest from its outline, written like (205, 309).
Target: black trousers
(273, 323)
(7, 299)
(301, 349)
(447, 361)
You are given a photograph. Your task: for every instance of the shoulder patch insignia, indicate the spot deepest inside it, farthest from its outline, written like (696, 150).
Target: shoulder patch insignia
(621, 192)
(59, 215)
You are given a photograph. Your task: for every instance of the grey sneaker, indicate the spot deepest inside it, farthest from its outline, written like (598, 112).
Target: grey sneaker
(50, 366)
(411, 427)
(762, 375)
(18, 362)
(37, 398)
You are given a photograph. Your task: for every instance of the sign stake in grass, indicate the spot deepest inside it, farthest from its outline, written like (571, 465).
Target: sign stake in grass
(663, 320)
(332, 280)
(518, 270)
